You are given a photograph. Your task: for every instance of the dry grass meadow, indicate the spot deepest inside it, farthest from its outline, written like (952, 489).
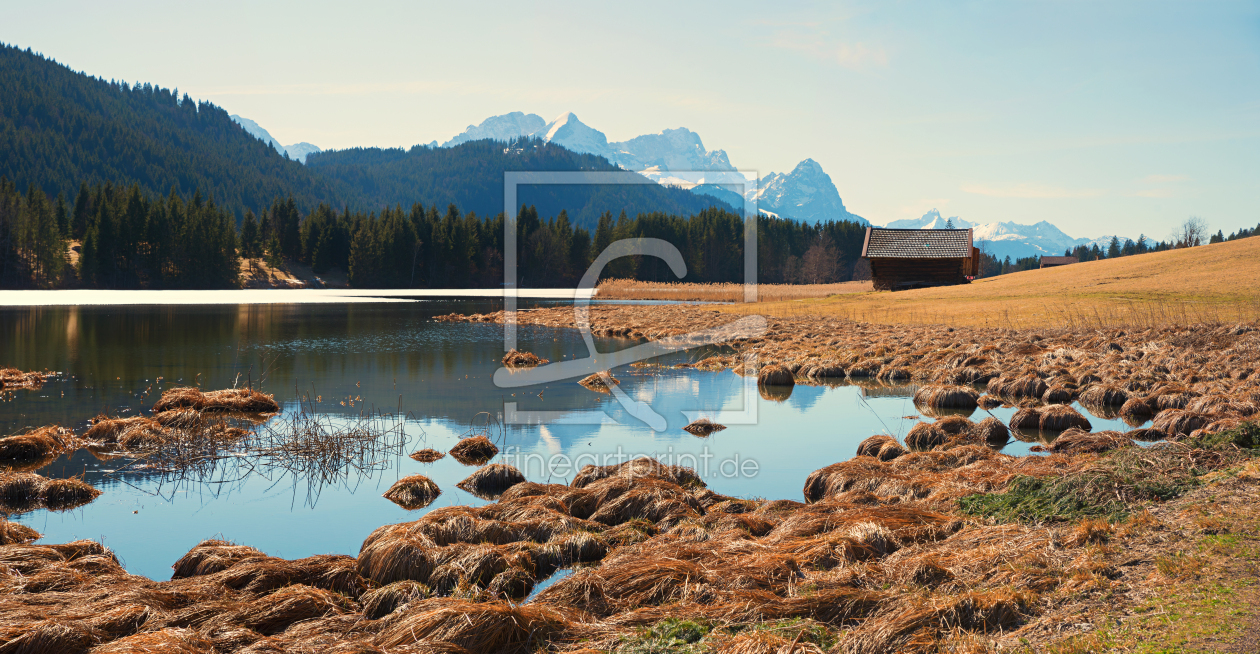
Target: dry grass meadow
(629, 289)
(1217, 283)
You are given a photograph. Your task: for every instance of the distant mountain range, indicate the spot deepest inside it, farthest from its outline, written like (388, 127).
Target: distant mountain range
(1008, 239)
(677, 157)
(297, 151)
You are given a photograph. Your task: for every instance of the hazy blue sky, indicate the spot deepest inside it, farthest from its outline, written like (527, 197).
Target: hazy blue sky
(1101, 117)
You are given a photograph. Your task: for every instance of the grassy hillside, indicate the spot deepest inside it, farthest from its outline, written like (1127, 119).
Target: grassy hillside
(1210, 283)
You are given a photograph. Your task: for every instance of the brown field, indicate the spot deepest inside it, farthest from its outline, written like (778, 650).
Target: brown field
(1208, 284)
(629, 289)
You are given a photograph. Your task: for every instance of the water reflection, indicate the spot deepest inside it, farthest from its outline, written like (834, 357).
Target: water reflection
(392, 361)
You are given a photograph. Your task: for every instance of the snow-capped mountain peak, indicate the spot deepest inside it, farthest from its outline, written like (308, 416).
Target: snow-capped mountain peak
(677, 156)
(500, 128)
(575, 135)
(1009, 239)
(931, 220)
(297, 151)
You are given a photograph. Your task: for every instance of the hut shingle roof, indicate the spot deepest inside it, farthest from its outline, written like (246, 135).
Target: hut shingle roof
(917, 243)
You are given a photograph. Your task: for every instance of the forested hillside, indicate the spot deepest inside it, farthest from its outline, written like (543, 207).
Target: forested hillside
(470, 176)
(60, 128)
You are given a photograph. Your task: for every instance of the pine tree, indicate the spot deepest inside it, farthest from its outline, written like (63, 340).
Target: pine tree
(249, 236)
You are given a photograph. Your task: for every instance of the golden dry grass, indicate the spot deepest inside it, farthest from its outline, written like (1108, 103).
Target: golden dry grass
(629, 289)
(1208, 284)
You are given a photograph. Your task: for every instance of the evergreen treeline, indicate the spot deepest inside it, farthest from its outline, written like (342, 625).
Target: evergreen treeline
(431, 247)
(129, 240)
(33, 234)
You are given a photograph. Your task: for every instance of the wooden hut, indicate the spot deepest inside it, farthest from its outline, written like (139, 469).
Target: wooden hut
(915, 258)
(1051, 262)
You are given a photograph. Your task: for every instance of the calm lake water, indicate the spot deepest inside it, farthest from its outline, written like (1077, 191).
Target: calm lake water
(431, 380)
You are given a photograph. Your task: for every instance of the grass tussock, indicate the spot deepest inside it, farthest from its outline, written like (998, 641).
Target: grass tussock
(413, 492)
(233, 400)
(599, 382)
(518, 359)
(492, 480)
(427, 455)
(27, 491)
(12, 378)
(703, 427)
(775, 375)
(946, 397)
(35, 446)
(13, 533)
(474, 450)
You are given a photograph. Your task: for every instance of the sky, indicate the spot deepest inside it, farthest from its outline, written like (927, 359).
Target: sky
(1100, 117)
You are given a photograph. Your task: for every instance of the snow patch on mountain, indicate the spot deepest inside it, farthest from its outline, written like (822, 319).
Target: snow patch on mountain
(297, 151)
(500, 128)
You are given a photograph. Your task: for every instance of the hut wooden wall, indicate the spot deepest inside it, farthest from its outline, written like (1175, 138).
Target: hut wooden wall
(890, 274)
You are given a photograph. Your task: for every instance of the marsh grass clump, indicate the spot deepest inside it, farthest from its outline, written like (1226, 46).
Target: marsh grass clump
(382, 601)
(703, 427)
(882, 447)
(13, 533)
(642, 467)
(988, 402)
(1059, 417)
(413, 492)
(1179, 423)
(474, 450)
(991, 431)
(27, 491)
(1079, 441)
(1104, 395)
(474, 626)
(490, 481)
(14, 378)
(35, 446)
(925, 436)
(599, 382)
(427, 455)
(946, 397)
(775, 375)
(518, 359)
(235, 400)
